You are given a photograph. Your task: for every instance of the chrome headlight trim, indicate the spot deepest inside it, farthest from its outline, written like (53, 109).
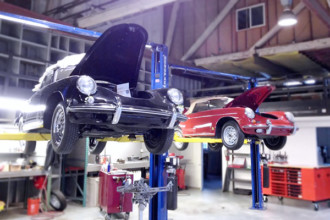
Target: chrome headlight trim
(86, 85)
(249, 113)
(289, 116)
(175, 96)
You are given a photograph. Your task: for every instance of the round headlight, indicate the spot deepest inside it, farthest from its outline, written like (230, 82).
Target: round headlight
(175, 96)
(86, 85)
(249, 113)
(289, 116)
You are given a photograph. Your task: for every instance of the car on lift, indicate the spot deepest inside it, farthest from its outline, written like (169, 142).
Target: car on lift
(77, 97)
(233, 120)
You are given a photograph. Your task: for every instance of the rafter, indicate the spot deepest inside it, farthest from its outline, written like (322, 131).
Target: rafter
(123, 9)
(171, 26)
(209, 29)
(319, 10)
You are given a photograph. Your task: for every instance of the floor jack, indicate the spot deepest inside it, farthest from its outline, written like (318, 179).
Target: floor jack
(142, 193)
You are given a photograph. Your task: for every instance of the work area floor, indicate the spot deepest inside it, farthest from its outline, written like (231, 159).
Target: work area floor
(207, 204)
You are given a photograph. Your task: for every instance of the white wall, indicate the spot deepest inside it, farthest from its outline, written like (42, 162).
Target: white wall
(122, 150)
(193, 161)
(301, 148)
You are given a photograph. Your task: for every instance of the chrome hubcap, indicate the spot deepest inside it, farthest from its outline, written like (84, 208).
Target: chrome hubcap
(59, 126)
(55, 202)
(178, 145)
(92, 143)
(230, 135)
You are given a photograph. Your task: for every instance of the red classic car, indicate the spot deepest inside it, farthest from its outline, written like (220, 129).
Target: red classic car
(233, 120)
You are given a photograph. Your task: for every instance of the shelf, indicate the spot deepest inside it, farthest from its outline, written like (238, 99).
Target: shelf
(241, 181)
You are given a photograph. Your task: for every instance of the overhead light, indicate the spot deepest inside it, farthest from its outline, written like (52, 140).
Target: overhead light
(287, 17)
(13, 104)
(310, 81)
(292, 83)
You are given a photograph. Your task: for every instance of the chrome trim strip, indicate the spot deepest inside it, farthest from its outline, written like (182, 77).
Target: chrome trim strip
(126, 109)
(255, 126)
(205, 116)
(117, 114)
(203, 125)
(210, 134)
(173, 119)
(147, 111)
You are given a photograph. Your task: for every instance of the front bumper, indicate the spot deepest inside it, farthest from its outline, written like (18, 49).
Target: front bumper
(118, 111)
(270, 129)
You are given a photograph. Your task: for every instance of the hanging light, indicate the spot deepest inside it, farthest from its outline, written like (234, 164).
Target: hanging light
(287, 17)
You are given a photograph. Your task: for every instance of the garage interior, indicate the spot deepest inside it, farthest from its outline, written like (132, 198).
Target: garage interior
(203, 48)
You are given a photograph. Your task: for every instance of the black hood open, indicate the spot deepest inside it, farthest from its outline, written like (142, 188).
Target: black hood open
(115, 56)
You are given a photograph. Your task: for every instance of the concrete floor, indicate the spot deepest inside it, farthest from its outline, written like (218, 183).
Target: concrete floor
(208, 204)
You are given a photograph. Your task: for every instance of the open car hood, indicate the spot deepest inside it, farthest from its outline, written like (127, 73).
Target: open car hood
(251, 98)
(115, 56)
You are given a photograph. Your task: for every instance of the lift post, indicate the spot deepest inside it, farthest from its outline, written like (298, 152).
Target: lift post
(257, 198)
(157, 171)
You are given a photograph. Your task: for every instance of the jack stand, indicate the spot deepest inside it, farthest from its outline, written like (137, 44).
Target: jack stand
(257, 198)
(142, 193)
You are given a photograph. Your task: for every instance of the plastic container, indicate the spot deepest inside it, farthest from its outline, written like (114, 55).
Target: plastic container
(33, 206)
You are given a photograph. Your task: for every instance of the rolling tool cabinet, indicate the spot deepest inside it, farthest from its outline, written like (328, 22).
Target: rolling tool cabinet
(305, 183)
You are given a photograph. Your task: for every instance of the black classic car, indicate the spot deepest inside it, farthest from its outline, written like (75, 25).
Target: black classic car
(80, 98)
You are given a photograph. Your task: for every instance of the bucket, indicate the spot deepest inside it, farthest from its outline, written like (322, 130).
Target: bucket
(33, 206)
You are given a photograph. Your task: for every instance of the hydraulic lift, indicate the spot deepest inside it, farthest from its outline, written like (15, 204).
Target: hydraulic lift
(160, 79)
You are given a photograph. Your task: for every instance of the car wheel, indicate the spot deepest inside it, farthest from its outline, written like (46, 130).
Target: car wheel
(28, 146)
(232, 136)
(275, 143)
(57, 200)
(181, 146)
(64, 134)
(158, 141)
(216, 147)
(95, 146)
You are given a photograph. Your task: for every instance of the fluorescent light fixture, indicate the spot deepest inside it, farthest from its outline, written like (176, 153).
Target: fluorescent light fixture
(292, 83)
(13, 104)
(287, 18)
(148, 46)
(310, 81)
(22, 21)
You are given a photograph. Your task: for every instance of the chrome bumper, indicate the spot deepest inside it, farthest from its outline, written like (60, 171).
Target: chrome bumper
(118, 110)
(269, 127)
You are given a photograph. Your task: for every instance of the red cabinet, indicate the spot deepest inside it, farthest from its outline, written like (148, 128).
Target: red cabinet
(110, 200)
(312, 184)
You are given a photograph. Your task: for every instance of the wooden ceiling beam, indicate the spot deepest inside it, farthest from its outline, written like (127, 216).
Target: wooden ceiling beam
(317, 8)
(124, 8)
(209, 29)
(303, 46)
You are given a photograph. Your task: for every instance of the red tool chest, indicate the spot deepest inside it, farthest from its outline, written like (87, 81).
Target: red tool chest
(110, 200)
(312, 184)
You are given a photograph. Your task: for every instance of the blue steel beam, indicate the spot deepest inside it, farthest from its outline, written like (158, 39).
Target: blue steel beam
(48, 25)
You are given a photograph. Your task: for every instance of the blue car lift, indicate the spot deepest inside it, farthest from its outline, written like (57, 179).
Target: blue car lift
(160, 79)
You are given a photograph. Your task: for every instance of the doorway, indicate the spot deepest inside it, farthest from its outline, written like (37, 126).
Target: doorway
(212, 168)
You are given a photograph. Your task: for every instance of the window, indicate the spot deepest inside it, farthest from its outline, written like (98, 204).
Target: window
(203, 106)
(250, 17)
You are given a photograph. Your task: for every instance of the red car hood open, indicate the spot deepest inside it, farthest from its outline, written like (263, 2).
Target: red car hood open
(251, 98)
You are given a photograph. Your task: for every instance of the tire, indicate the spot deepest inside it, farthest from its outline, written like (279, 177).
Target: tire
(232, 135)
(50, 156)
(216, 147)
(96, 147)
(64, 134)
(57, 200)
(158, 141)
(275, 143)
(180, 146)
